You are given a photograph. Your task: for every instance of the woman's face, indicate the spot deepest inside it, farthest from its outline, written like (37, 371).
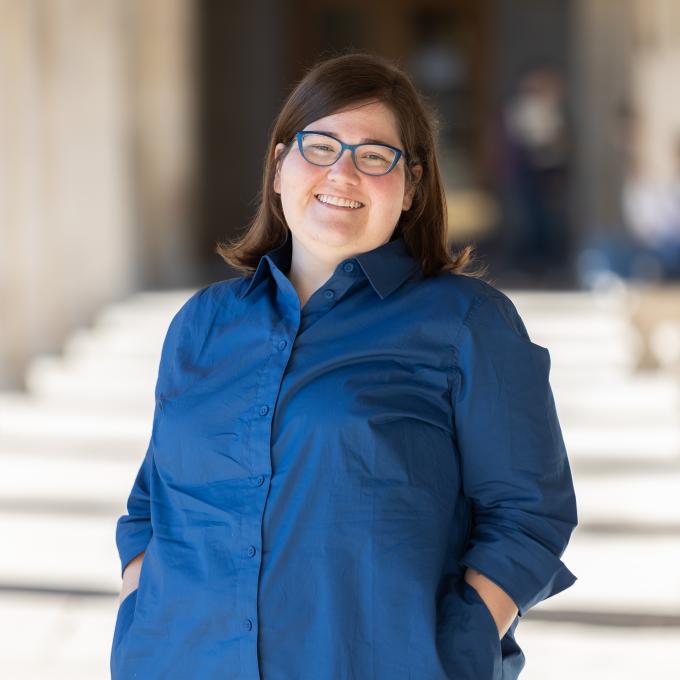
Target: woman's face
(329, 231)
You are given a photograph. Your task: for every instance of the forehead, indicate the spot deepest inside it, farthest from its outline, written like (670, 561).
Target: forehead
(366, 121)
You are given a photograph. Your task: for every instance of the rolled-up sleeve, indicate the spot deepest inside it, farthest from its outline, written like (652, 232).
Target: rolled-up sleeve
(515, 471)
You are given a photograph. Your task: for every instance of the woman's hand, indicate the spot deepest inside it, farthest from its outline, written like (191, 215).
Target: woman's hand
(503, 609)
(131, 576)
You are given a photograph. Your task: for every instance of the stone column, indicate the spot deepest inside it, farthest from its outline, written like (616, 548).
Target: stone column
(655, 68)
(96, 166)
(163, 80)
(600, 49)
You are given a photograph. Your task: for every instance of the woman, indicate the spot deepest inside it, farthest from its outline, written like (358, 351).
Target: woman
(356, 468)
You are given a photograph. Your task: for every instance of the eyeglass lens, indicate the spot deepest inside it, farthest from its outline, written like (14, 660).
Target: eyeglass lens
(373, 159)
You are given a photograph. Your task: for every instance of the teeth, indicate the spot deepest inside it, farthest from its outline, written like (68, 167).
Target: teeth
(343, 202)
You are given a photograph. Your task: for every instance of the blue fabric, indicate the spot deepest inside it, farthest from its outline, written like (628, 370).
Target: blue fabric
(317, 481)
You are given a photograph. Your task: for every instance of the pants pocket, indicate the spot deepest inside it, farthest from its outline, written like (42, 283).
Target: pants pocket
(123, 621)
(511, 656)
(487, 631)
(467, 638)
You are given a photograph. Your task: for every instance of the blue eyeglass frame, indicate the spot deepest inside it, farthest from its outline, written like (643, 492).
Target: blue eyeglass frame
(352, 147)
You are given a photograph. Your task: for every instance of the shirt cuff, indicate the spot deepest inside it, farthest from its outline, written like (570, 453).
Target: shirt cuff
(528, 576)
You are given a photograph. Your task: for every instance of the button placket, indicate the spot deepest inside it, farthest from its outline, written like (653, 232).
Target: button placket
(282, 340)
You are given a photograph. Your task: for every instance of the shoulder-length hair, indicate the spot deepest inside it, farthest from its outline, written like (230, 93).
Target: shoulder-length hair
(335, 84)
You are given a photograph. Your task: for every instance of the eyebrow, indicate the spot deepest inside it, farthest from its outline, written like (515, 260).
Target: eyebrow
(365, 140)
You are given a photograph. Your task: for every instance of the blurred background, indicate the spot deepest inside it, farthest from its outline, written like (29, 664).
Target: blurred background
(132, 135)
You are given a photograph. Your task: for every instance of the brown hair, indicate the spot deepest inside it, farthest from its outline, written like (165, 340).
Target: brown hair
(335, 84)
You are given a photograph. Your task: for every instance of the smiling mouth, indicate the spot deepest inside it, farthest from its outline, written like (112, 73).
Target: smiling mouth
(337, 202)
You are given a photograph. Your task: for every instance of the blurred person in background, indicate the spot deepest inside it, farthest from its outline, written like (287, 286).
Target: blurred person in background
(538, 151)
(356, 468)
(652, 212)
(647, 247)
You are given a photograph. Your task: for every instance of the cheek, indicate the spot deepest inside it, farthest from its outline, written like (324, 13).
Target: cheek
(296, 192)
(388, 194)
(298, 180)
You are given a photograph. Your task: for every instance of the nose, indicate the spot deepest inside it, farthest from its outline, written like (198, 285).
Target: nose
(344, 169)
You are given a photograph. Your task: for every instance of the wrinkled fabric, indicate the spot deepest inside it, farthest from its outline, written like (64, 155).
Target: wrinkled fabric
(317, 480)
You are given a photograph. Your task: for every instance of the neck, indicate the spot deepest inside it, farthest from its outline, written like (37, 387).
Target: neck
(308, 273)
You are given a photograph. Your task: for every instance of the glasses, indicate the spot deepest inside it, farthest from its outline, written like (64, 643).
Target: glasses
(371, 159)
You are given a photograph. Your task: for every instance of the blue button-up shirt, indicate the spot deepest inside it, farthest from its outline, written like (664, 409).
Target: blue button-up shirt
(318, 479)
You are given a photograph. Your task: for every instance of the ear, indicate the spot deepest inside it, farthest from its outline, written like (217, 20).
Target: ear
(278, 150)
(417, 172)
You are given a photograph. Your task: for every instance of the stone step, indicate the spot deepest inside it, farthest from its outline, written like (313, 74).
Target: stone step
(619, 443)
(585, 356)
(597, 652)
(548, 302)
(622, 401)
(129, 402)
(70, 639)
(569, 326)
(56, 636)
(116, 344)
(113, 332)
(18, 419)
(623, 389)
(99, 427)
(103, 439)
(654, 400)
(76, 552)
(624, 500)
(66, 485)
(621, 574)
(120, 374)
(109, 379)
(574, 399)
(527, 301)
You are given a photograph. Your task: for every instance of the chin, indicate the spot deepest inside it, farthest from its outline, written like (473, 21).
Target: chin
(335, 234)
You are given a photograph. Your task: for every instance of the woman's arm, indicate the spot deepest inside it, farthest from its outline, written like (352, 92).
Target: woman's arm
(514, 465)
(497, 601)
(131, 576)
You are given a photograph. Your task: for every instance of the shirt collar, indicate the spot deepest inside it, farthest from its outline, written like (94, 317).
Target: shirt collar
(386, 266)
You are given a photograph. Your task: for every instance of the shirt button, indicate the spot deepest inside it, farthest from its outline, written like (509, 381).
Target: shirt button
(348, 267)
(264, 410)
(282, 344)
(248, 624)
(259, 481)
(251, 551)
(329, 294)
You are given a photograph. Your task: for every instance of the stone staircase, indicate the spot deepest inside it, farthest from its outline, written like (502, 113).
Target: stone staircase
(71, 446)
(621, 619)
